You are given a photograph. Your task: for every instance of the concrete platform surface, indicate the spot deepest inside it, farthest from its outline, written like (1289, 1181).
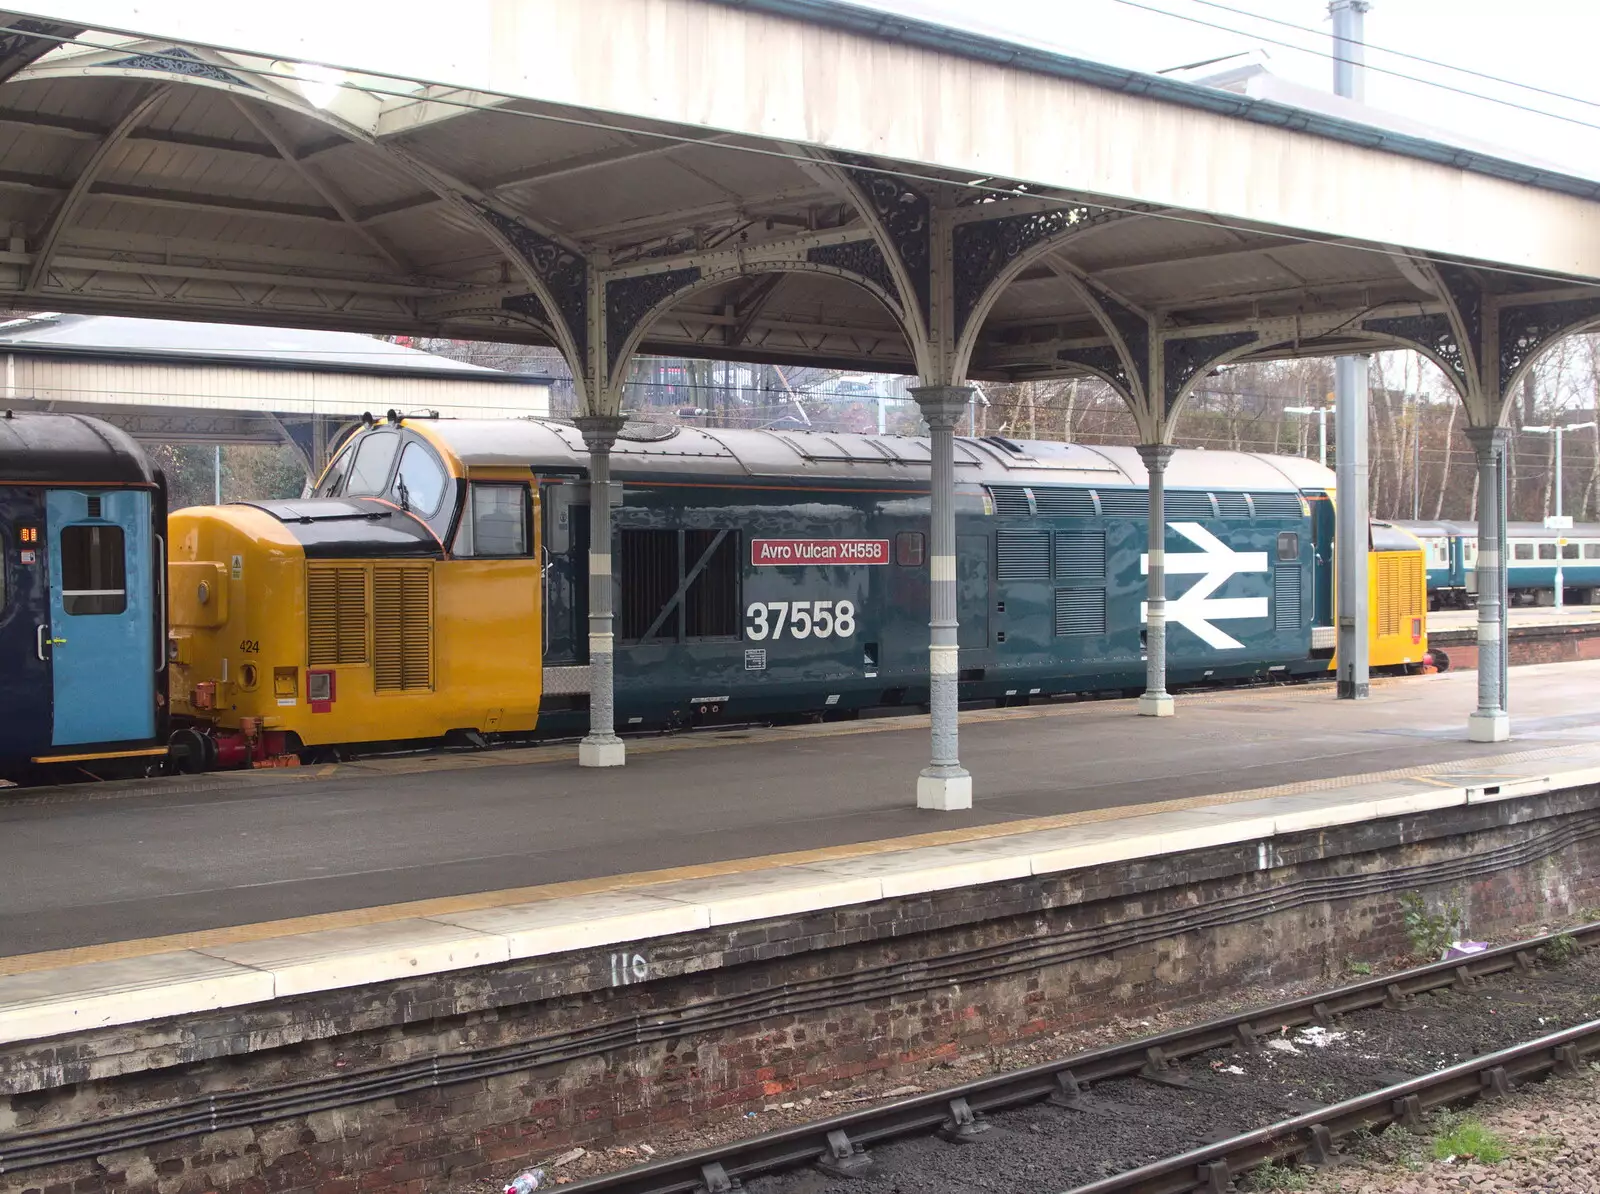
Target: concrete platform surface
(119, 870)
(1521, 616)
(48, 995)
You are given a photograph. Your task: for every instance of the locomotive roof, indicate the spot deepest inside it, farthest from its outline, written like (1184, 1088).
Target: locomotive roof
(39, 447)
(647, 448)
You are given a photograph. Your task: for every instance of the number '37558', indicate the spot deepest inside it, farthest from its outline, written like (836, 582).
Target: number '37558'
(799, 619)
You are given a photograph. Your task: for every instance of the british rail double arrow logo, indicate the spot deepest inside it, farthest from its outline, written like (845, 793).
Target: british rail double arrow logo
(1214, 563)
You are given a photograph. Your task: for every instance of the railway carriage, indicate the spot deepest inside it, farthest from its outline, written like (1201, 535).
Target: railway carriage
(82, 597)
(1532, 553)
(435, 584)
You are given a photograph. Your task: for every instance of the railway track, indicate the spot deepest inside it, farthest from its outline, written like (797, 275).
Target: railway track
(1102, 1092)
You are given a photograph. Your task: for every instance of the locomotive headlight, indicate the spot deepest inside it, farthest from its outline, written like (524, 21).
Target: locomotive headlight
(203, 593)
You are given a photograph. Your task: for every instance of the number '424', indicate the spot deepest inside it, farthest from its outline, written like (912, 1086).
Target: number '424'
(799, 619)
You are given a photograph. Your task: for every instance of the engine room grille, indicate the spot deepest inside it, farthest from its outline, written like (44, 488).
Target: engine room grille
(1080, 612)
(1125, 503)
(336, 615)
(1081, 557)
(1010, 501)
(1287, 609)
(1186, 503)
(402, 628)
(1277, 505)
(1063, 503)
(1022, 555)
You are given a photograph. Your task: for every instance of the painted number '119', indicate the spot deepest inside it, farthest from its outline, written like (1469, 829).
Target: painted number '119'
(800, 619)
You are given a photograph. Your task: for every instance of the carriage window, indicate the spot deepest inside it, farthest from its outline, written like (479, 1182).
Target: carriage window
(1591, 551)
(496, 522)
(1547, 551)
(1288, 547)
(1522, 551)
(420, 484)
(369, 472)
(910, 549)
(94, 577)
(1569, 551)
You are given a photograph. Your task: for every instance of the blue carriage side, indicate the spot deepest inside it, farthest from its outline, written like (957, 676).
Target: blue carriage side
(82, 595)
(1534, 553)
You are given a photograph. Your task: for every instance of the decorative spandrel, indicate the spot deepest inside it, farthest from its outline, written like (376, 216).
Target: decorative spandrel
(629, 300)
(527, 304)
(906, 215)
(1131, 327)
(984, 248)
(1466, 293)
(1526, 330)
(1102, 360)
(564, 273)
(1186, 358)
(860, 257)
(1434, 334)
(175, 61)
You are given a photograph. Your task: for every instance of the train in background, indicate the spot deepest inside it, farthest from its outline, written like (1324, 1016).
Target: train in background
(434, 585)
(1532, 556)
(82, 598)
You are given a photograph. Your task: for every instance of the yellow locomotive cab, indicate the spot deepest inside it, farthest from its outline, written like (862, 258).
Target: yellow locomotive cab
(302, 624)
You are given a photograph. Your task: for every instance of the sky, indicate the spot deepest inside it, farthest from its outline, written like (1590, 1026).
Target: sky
(1546, 43)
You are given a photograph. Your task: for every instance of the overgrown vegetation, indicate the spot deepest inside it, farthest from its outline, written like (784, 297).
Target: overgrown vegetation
(1430, 933)
(1274, 1176)
(1559, 950)
(1362, 969)
(1468, 1138)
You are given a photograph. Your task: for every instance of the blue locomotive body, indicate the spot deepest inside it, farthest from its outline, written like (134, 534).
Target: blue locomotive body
(82, 595)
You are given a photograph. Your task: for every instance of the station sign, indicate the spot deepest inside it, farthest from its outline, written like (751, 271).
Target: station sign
(793, 552)
(1558, 522)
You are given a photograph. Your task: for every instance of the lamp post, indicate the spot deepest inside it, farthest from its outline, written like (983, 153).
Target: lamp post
(1322, 427)
(1559, 523)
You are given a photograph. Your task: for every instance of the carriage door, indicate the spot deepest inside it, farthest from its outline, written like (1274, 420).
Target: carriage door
(101, 635)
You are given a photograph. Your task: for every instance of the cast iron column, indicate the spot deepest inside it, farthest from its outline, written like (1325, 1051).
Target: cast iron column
(944, 784)
(1156, 701)
(1352, 647)
(1490, 723)
(602, 747)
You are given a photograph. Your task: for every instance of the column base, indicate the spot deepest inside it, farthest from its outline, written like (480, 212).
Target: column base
(1156, 704)
(1489, 727)
(945, 789)
(602, 752)
(1350, 690)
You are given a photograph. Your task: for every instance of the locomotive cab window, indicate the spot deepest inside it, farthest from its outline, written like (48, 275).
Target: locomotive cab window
(1288, 547)
(1522, 551)
(420, 482)
(374, 459)
(910, 549)
(94, 571)
(495, 522)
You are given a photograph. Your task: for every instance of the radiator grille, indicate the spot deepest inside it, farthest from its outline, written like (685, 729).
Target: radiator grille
(1080, 611)
(1081, 557)
(1188, 504)
(1124, 503)
(1232, 505)
(1401, 592)
(1287, 611)
(1064, 503)
(1277, 505)
(1010, 501)
(402, 628)
(1022, 555)
(336, 615)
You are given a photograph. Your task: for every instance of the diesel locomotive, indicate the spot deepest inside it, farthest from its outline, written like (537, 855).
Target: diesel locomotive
(83, 679)
(434, 584)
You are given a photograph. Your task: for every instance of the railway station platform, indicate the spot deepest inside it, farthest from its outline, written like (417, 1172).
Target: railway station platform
(542, 955)
(1534, 634)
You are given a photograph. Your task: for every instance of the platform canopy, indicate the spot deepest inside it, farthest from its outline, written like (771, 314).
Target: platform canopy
(778, 180)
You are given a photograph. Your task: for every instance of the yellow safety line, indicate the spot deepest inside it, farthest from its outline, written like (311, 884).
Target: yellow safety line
(449, 905)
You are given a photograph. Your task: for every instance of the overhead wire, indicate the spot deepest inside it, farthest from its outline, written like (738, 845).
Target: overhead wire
(979, 185)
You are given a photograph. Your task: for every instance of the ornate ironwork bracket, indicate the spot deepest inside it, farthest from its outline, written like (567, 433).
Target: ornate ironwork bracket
(564, 273)
(1183, 359)
(984, 248)
(1105, 362)
(862, 258)
(175, 61)
(629, 300)
(529, 305)
(1434, 334)
(1527, 329)
(906, 216)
